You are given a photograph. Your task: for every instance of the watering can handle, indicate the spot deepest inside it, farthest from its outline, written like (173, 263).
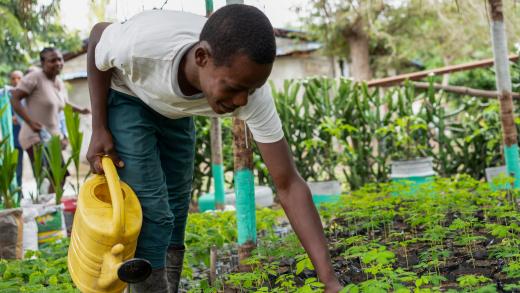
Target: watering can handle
(116, 196)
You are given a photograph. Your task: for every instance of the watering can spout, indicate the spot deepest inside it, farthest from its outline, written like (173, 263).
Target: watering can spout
(111, 262)
(114, 269)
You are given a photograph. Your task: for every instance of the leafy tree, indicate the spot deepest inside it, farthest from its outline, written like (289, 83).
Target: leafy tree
(380, 35)
(27, 27)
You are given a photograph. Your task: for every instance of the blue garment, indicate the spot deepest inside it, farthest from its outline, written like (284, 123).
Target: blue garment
(159, 159)
(6, 94)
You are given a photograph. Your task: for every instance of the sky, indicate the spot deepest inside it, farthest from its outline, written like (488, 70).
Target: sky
(75, 13)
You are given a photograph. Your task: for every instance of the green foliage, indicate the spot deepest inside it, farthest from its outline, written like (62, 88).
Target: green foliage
(360, 130)
(27, 27)
(8, 162)
(39, 169)
(399, 34)
(75, 137)
(414, 220)
(303, 262)
(41, 271)
(346, 131)
(471, 281)
(57, 166)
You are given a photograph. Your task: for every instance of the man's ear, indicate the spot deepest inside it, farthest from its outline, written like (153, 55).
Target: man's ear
(202, 54)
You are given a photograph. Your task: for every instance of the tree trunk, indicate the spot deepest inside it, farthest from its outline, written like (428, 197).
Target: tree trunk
(360, 57)
(358, 42)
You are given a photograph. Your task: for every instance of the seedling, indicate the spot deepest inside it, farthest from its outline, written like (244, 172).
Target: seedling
(38, 170)
(8, 161)
(57, 167)
(75, 137)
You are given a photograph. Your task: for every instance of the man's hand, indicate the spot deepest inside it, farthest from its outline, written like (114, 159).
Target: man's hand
(35, 126)
(102, 144)
(15, 120)
(333, 287)
(84, 111)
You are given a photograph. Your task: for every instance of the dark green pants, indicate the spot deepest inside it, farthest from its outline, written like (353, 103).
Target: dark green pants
(158, 153)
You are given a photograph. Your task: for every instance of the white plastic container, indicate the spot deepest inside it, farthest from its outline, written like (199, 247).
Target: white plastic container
(263, 197)
(422, 167)
(494, 172)
(325, 187)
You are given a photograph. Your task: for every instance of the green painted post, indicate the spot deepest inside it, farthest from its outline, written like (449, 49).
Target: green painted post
(209, 7)
(216, 162)
(217, 169)
(244, 183)
(244, 189)
(504, 88)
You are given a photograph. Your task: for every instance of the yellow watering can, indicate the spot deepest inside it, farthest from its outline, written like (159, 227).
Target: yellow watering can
(104, 235)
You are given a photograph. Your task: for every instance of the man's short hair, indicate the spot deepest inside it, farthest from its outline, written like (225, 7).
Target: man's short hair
(239, 28)
(44, 51)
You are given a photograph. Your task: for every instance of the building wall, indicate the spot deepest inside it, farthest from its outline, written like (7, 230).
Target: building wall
(78, 92)
(301, 66)
(77, 64)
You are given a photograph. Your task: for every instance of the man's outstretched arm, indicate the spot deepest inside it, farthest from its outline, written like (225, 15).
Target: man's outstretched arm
(296, 199)
(101, 142)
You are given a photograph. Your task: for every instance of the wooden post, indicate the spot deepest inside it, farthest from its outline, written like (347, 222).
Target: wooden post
(212, 265)
(217, 169)
(244, 183)
(461, 90)
(244, 189)
(504, 88)
(393, 80)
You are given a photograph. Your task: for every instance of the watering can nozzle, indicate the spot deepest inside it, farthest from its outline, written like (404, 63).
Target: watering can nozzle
(134, 270)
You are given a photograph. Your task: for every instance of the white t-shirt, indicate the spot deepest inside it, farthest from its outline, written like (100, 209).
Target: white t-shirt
(145, 52)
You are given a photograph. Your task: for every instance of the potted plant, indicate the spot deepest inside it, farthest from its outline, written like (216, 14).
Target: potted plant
(11, 220)
(407, 138)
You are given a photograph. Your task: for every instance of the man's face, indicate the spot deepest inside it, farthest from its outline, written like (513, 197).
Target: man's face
(15, 78)
(228, 87)
(52, 63)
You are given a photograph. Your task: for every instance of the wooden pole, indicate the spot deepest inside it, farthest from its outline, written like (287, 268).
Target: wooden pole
(244, 184)
(387, 81)
(212, 265)
(244, 189)
(217, 168)
(504, 88)
(461, 90)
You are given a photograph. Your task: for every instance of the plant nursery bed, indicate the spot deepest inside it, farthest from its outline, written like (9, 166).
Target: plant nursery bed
(451, 235)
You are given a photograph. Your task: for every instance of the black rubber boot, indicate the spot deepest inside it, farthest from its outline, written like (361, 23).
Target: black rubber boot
(156, 283)
(174, 262)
